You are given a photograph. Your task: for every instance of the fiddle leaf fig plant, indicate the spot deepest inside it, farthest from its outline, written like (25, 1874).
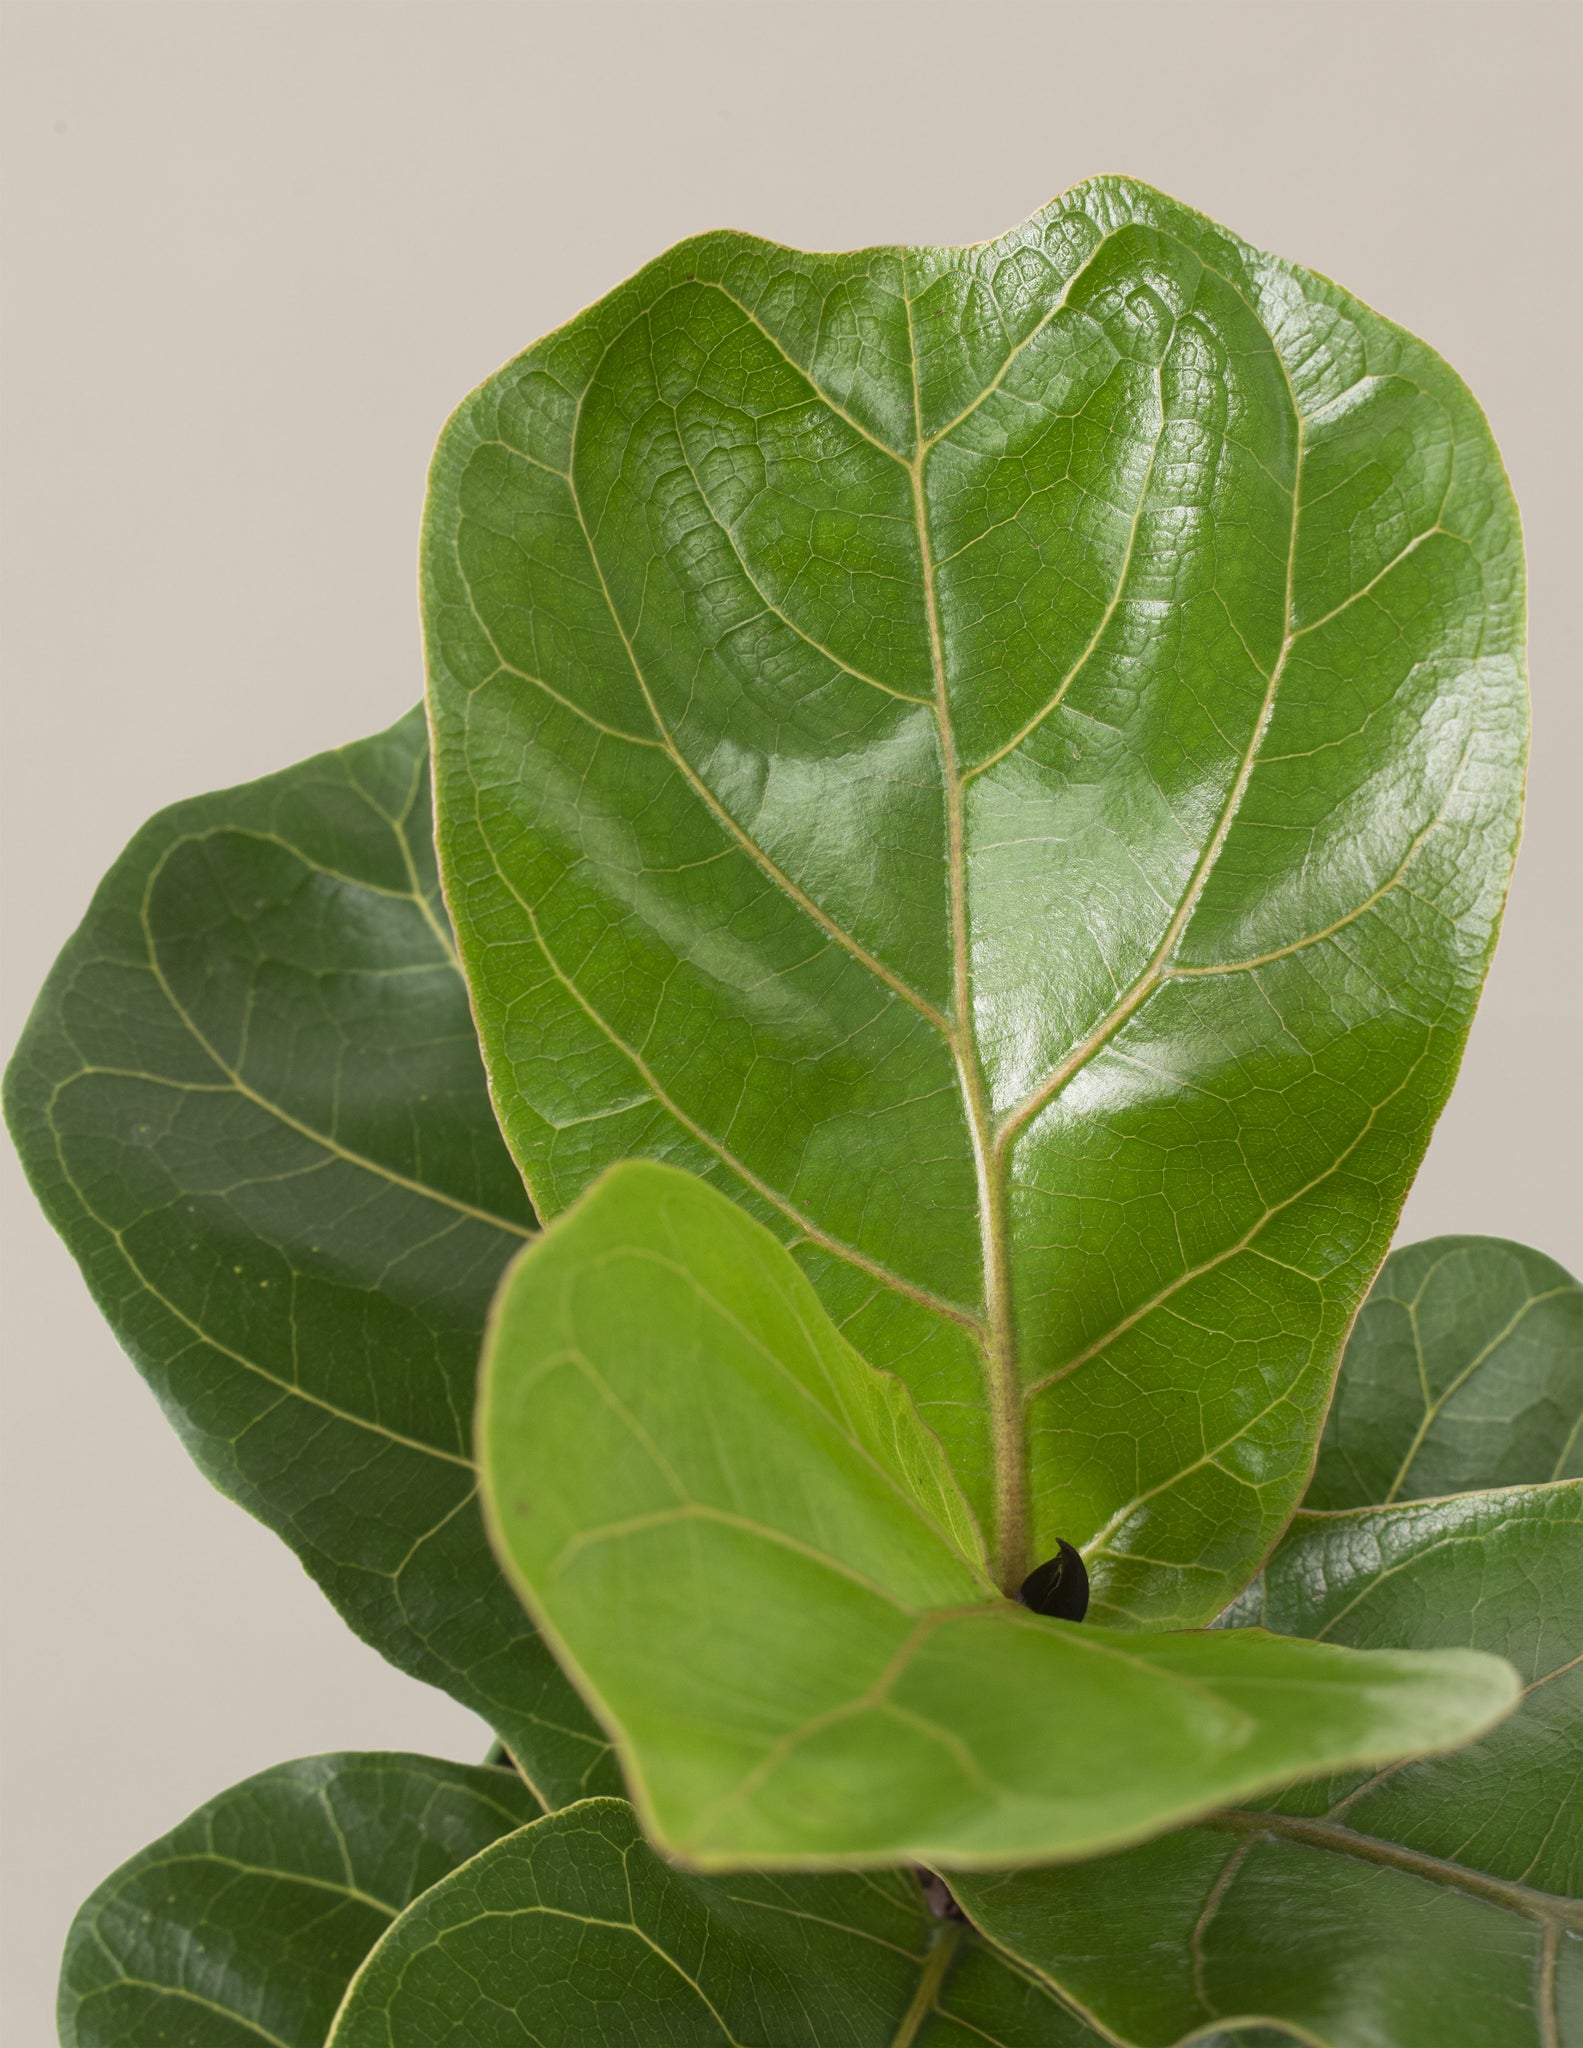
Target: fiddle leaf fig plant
(792, 1248)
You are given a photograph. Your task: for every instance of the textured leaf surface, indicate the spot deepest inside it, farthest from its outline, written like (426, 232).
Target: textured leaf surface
(574, 1931)
(1435, 1905)
(750, 1551)
(1007, 760)
(1464, 1369)
(246, 1923)
(250, 1100)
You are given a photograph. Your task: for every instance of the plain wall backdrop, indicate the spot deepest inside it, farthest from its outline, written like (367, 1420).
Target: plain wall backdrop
(254, 254)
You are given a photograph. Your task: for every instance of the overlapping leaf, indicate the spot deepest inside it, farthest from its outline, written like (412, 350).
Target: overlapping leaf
(1007, 761)
(574, 1931)
(250, 1100)
(1464, 1368)
(752, 1553)
(247, 1922)
(1435, 1905)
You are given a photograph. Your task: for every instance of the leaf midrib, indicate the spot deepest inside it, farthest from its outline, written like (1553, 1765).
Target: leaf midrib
(1544, 1907)
(1009, 1535)
(1007, 1402)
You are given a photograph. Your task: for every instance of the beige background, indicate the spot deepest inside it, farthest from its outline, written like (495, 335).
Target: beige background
(255, 253)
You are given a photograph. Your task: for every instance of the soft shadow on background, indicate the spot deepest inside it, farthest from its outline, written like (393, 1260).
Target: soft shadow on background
(254, 255)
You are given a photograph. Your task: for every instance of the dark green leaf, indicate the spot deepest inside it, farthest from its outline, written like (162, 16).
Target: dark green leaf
(751, 1552)
(1464, 1369)
(574, 1932)
(250, 1100)
(246, 1923)
(1430, 1906)
(1006, 760)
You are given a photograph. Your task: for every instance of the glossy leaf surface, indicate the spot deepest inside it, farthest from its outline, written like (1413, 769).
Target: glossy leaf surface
(751, 1553)
(250, 1100)
(1435, 1905)
(574, 1931)
(248, 1921)
(1007, 761)
(1464, 1369)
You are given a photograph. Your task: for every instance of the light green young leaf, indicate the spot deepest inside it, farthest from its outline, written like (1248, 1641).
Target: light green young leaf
(1006, 760)
(1432, 1905)
(750, 1552)
(1464, 1369)
(246, 1923)
(250, 1100)
(574, 1931)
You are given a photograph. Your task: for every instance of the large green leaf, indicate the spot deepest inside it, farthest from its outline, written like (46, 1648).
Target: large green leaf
(246, 1923)
(1435, 1905)
(1007, 760)
(1464, 1368)
(573, 1931)
(250, 1100)
(748, 1548)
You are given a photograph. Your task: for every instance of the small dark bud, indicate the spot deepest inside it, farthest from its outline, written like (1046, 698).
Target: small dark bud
(1059, 1586)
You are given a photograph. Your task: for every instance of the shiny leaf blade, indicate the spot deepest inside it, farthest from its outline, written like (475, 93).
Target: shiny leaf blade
(250, 1100)
(248, 1921)
(750, 1552)
(574, 1931)
(1433, 1905)
(1497, 1571)
(1007, 760)
(1464, 1369)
